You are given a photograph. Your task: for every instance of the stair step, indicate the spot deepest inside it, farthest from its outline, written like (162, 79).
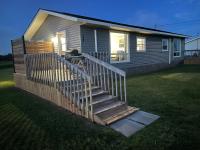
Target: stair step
(99, 92)
(113, 105)
(102, 98)
(94, 88)
(120, 115)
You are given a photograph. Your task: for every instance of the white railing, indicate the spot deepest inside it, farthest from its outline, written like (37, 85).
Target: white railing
(104, 56)
(106, 76)
(116, 57)
(53, 70)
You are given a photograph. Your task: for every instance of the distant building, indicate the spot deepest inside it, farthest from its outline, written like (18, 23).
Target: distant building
(192, 46)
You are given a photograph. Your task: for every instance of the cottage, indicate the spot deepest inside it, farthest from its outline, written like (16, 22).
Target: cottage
(92, 84)
(131, 48)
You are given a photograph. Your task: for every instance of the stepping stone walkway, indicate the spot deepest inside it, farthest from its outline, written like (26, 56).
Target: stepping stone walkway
(133, 123)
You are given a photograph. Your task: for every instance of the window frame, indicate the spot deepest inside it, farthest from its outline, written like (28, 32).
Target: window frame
(145, 48)
(165, 50)
(179, 49)
(127, 44)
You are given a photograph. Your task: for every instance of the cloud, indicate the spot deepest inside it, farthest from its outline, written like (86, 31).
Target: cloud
(185, 1)
(183, 15)
(145, 18)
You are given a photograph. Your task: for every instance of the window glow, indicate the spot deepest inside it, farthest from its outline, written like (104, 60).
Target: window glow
(119, 46)
(54, 40)
(141, 44)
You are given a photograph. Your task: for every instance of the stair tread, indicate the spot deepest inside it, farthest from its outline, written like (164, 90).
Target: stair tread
(108, 107)
(102, 98)
(120, 115)
(96, 93)
(93, 88)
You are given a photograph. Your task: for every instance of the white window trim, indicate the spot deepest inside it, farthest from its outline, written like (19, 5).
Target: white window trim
(95, 40)
(128, 47)
(141, 51)
(179, 49)
(165, 50)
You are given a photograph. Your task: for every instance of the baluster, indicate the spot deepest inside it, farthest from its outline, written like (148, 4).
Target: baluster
(60, 73)
(120, 86)
(41, 68)
(64, 77)
(112, 83)
(51, 70)
(125, 89)
(86, 96)
(97, 71)
(74, 88)
(100, 68)
(116, 84)
(82, 92)
(57, 72)
(104, 78)
(78, 97)
(70, 87)
(108, 80)
(91, 105)
(67, 80)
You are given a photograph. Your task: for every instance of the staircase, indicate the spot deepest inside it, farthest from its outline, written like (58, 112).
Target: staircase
(95, 87)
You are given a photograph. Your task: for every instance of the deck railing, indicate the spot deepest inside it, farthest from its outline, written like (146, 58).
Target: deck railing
(106, 76)
(53, 70)
(104, 56)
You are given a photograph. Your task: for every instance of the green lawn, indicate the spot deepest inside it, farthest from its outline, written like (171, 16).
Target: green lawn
(28, 122)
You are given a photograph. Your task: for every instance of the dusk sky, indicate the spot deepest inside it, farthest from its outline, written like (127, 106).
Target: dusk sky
(180, 16)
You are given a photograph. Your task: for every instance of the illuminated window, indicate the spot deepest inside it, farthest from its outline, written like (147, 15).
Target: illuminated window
(63, 40)
(177, 47)
(119, 46)
(141, 44)
(164, 44)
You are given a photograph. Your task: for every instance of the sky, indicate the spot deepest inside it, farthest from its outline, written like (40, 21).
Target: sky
(180, 16)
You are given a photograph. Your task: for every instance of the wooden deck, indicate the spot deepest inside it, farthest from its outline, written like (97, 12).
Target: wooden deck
(93, 88)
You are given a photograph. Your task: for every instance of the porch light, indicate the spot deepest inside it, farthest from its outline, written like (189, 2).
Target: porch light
(54, 40)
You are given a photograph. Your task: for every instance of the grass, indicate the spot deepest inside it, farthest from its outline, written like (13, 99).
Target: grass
(28, 122)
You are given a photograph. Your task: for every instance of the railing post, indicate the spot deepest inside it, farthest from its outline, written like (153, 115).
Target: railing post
(91, 102)
(125, 98)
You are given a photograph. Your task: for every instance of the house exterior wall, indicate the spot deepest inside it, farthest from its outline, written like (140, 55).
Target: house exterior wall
(88, 39)
(153, 54)
(54, 24)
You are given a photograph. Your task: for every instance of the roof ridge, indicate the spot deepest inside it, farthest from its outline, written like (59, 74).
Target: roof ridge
(108, 21)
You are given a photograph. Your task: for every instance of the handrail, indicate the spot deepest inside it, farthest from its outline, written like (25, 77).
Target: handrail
(107, 65)
(53, 70)
(106, 76)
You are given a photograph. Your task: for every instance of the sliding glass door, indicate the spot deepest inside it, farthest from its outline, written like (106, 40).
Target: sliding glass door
(119, 47)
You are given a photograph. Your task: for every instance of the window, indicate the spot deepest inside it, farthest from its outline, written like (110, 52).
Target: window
(141, 44)
(165, 45)
(63, 40)
(119, 47)
(177, 47)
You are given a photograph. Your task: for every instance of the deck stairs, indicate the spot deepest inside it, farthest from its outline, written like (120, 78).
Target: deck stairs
(93, 86)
